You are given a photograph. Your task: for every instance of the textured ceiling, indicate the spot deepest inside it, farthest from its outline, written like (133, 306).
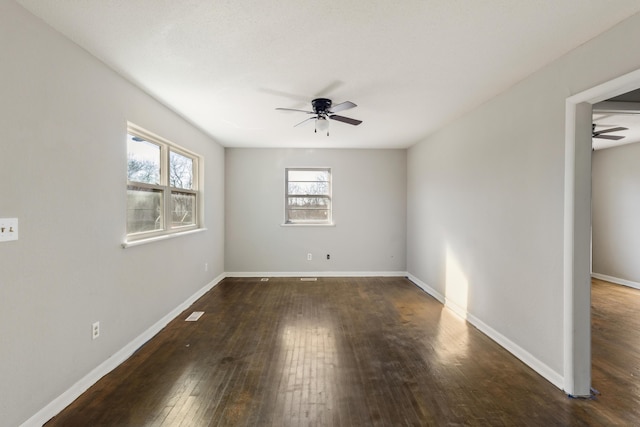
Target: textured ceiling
(411, 65)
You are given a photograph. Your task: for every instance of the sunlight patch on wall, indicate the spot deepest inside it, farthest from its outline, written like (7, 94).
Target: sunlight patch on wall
(456, 286)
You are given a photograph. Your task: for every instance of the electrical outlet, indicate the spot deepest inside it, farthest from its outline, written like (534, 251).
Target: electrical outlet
(95, 330)
(8, 229)
(206, 266)
(309, 256)
(328, 256)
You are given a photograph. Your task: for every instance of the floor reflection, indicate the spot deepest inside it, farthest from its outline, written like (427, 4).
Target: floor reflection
(308, 373)
(452, 340)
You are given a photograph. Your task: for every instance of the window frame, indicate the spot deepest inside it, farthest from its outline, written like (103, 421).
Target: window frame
(167, 229)
(329, 196)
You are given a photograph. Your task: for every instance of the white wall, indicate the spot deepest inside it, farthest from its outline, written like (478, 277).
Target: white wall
(63, 174)
(485, 202)
(369, 211)
(616, 213)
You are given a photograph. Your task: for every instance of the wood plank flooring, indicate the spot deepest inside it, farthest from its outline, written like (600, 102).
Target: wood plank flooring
(615, 352)
(353, 352)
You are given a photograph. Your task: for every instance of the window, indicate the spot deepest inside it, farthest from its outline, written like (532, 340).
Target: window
(162, 186)
(308, 196)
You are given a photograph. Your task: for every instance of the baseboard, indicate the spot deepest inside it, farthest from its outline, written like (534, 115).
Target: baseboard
(534, 363)
(428, 289)
(66, 398)
(616, 280)
(541, 368)
(317, 274)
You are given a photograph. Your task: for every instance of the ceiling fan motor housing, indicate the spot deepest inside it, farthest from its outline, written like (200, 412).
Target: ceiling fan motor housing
(321, 105)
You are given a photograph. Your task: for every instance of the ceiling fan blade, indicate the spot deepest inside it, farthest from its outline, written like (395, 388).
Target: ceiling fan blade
(616, 129)
(613, 137)
(345, 120)
(342, 106)
(305, 121)
(293, 109)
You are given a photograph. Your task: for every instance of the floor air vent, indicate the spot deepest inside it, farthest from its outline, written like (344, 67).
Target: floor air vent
(194, 316)
(264, 279)
(308, 279)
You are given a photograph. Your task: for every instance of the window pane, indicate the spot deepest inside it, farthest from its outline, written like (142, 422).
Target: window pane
(143, 160)
(144, 210)
(182, 209)
(180, 171)
(308, 203)
(300, 215)
(308, 175)
(308, 196)
(298, 188)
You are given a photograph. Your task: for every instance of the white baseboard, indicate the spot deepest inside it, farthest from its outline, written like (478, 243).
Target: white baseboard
(541, 368)
(428, 289)
(534, 363)
(616, 280)
(66, 398)
(317, 274)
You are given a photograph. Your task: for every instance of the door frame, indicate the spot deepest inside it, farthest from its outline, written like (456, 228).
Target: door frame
(577, 229)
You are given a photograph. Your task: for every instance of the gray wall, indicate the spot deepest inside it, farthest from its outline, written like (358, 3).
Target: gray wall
(485, 201)
(616, 213)
(369, 211)
(63, 174)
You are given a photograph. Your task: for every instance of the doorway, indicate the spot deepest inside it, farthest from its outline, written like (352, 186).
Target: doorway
(577, 229)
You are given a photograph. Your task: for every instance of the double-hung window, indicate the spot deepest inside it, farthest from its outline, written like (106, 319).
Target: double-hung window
(162, 186)
(308, 196)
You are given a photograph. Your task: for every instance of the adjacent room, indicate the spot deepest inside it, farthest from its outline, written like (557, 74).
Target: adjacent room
(359, 203)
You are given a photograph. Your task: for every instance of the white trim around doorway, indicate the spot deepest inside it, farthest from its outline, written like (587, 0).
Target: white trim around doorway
(577, 230)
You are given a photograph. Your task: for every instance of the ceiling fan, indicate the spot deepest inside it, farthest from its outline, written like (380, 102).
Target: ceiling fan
(599, 133)
(323, 110)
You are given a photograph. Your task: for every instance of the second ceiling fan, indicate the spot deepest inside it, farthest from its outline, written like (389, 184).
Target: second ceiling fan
(599, 133)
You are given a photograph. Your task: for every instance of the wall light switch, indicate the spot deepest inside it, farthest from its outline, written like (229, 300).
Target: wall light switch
(8, 229)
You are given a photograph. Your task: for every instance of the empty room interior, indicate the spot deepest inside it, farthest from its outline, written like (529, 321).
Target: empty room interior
(329, 213)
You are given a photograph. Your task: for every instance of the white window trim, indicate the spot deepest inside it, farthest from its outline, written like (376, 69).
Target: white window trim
(132, 243)
(135, 239)
(297, 224)
(329, 222)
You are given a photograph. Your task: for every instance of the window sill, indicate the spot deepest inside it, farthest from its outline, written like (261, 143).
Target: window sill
(307, 225)
(133, 243)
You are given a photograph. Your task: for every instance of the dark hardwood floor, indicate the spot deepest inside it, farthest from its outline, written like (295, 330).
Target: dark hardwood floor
(615, 352)
(353, 352)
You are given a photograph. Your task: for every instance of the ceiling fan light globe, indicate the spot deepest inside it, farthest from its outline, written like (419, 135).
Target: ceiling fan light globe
(322, 124)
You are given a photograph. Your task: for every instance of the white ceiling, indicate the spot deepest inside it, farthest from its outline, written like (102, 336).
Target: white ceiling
(411, 65)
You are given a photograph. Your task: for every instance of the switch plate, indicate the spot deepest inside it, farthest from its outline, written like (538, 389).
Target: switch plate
(8, 229)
